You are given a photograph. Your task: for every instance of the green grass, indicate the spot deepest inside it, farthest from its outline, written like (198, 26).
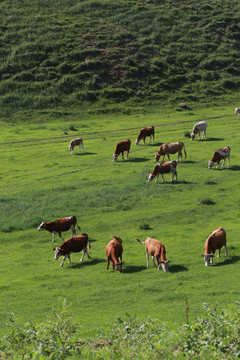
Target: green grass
(41, 180)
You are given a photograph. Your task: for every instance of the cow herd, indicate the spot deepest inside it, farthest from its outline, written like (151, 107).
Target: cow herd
(153, 247)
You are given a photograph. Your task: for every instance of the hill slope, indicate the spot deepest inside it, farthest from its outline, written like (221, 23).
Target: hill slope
(101, 52)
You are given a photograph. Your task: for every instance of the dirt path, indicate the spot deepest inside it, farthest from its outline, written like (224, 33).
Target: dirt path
(109, 131)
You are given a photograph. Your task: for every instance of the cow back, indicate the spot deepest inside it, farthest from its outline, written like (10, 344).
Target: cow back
(123, 145)
(75, 244)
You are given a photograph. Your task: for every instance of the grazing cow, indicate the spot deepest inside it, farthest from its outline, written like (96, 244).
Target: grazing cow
(237, 111)
(76, 142)
(147, 131)
(215, 241)
(171, 148)
(57, 226)
(114, 251)
(157, 250)
(201, 126)
(220, 154)
(164, 168)
(122, 146)
(74, 244)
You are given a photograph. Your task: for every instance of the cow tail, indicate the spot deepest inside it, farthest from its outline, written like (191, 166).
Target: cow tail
(78, 227)
(141, 242)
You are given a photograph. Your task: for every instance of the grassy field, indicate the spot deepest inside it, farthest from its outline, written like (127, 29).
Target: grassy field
(41, 180)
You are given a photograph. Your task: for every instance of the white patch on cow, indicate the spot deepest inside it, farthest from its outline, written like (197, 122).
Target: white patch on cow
(136, 142)
(114, 157)
(165, 266)
(57, 253)
(40, 227)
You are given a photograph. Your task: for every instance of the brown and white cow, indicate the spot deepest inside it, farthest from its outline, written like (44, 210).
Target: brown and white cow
(171, 148)
(122, 146)
(73, 244)
(164, 168)
(157, 250)
(237, 111)
(215, 241)
(147, 131)
(76, 142)
(57, 226)
(220, 154)
(114, 252)
(197, 128)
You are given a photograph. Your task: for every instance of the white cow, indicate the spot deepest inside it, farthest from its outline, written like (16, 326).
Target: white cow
(201, 126)
(237, 111)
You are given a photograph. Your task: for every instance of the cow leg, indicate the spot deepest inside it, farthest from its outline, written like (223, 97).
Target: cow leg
(218, 163)
(60, 234)
(53, 238)
(168, 156)
(218, 255)
(163, 178)
(144, 140)
(153, 259)
(123, 155)
(108, 261)
(226, 252)
(82, 148)
(180, 155)
(127, 154)
(83, 255)
(64, 258)
(69, 260)
(228, 160)
(72, 227)
(147, 256)
(223, 162)
(156, 177)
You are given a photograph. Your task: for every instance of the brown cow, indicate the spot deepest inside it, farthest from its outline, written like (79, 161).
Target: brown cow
(171, 148)
(114, 251)
(164, 168)
(74, 244)
(147, 131)
(122, 146)
(76, 142)
(220, 154)
(215, 241)
(157, 250)
(57, 226)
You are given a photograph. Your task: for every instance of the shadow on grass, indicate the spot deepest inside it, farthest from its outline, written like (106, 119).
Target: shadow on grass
(85, 262)
(138, 160)
(213, 139)
(188, 162)
(177, 268)
(234, 168)
(86, 153)
(129, 269)
(228, 261)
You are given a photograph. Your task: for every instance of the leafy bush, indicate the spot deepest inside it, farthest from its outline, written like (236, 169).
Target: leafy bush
(53, 339)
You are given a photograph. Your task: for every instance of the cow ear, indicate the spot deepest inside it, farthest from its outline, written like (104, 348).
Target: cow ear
(54, 249)
(202, 255)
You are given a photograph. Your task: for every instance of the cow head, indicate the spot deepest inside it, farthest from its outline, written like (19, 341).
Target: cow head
(42, 226)
(210, 164)
(208, 259)
(115, 157)
(58, 252)
(164, 265)
(193, 135)
(119, 266)
(150, 177)
(137, 141)
(70, 148)
(157, 157)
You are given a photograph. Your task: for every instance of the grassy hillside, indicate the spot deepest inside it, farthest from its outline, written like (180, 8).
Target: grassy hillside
(98, 53)
(41, 180)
